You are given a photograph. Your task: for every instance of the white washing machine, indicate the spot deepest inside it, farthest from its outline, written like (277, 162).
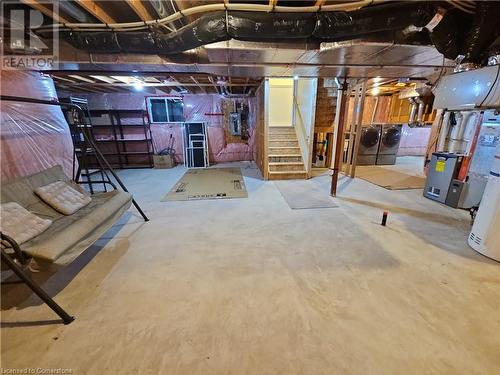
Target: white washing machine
(369, 144)
(389, 144)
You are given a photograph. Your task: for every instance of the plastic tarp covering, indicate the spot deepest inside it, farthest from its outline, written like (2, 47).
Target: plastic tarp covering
(414, 141)
(199, 107)
(33, 137)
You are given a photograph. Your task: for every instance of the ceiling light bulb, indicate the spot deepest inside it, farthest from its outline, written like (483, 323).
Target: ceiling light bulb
(138, 86)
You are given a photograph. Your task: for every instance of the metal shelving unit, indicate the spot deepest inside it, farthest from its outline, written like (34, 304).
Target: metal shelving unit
(122, 156)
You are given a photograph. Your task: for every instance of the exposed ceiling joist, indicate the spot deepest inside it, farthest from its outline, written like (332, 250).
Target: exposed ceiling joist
(245, 87)
(198, 84)
(216, 88)
(319, 3)
(45, 10)
(96, 10)
(80, 78)
(175, 82)
(140, 10)
(63, 79)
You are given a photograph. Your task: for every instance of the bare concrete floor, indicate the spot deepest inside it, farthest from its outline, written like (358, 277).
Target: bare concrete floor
(249, 286)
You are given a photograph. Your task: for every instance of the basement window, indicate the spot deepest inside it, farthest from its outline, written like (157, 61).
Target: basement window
(163, 110)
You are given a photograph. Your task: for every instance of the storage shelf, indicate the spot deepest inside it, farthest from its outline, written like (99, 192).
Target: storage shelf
(111, 122)
(142, 111)
(127, 153)
(123, 126)
(124, 140)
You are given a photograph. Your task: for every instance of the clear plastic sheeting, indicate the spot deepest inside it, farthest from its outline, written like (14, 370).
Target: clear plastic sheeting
(414, 141)
(33, 137)
(201, 107)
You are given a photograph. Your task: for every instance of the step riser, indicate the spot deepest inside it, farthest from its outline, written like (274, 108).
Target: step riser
(282, 143)
(284, 151)
(281, 130)
(279, 168)
(282, 159)
(288, 176)
(282, 137)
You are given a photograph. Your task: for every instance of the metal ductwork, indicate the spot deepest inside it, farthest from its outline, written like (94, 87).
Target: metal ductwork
(413, 111)
(420, 111)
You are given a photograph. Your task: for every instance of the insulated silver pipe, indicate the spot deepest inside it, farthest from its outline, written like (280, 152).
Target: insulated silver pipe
(420, 112)
(413, 111)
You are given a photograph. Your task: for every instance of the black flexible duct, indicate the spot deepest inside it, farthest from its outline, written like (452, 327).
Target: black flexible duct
(484, 31)
(270, 27)
(447, 36)
(382, 22)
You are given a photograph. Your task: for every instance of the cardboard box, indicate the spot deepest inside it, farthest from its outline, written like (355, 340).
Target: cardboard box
(163, 161)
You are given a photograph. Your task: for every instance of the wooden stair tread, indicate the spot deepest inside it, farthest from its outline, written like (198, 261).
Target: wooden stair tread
(286, 163)
(284, 147)
(284, 155)
(287, 172)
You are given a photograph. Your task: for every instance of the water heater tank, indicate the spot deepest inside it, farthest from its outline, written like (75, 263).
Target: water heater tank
(485, 234)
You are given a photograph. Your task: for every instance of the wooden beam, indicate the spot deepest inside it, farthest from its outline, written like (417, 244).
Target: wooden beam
(161, 84)
(63, 79)
(358, 122)
(214, 85)
(45, 10)
(178, 84)
(84, 79)
(96, 10)
(338, 134)
(319, 3)
(272, 2)
(140, 10)
(198, 84)
(246, 84)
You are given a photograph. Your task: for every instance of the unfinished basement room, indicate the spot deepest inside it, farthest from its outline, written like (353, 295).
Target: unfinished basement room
(229, 187)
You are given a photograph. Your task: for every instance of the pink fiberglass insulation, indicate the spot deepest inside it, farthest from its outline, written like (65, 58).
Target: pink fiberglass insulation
(414, 141)
(33, 137)
(201, 107)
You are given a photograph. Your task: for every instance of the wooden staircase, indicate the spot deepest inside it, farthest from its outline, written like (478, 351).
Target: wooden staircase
(285, 158)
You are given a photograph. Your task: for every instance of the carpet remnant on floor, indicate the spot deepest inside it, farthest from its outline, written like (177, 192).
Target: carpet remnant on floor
(389, 179)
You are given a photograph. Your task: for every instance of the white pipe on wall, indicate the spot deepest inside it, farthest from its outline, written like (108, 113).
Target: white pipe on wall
(453, 140)
(444, 131)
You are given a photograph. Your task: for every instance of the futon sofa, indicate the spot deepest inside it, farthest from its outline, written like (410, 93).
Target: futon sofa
(68, 235)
